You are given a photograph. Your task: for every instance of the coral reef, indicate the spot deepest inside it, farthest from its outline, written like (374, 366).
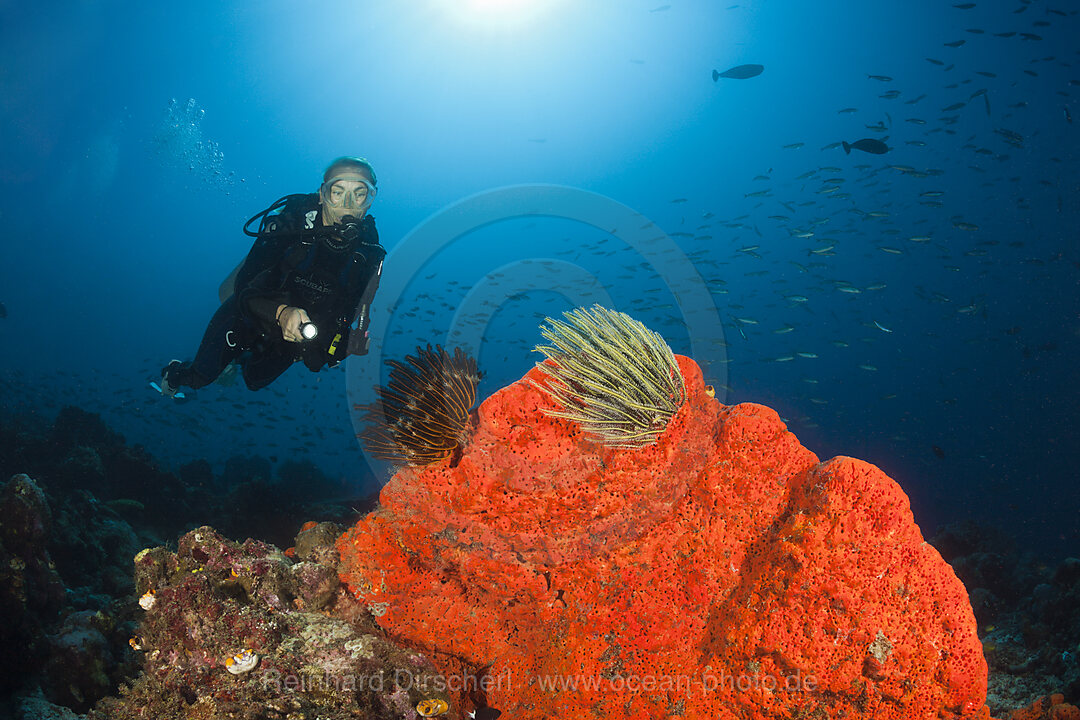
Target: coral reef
(31, 592)
(67, 537)
(721, 572)
(241, 631)
(67, 641)
(1047, 707)
(548, 544)
(1028, 615)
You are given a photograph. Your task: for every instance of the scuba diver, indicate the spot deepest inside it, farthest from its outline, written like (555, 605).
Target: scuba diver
(303, 292)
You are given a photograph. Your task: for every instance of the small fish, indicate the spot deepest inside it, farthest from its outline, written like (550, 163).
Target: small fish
(931, 193)
(890, 95)
(847, 110)
(793, 146)
(954, 106)
(739, 72)
(796, 298)
(882, 78)
(955, 43)
(867, 367)
(964, 6)
(1068, 119)
(940, 454)
(809, 355)
(881, 327)
(1013, 138)
(868, 145)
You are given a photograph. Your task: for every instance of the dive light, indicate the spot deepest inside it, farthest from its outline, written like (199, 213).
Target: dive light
(308, 331)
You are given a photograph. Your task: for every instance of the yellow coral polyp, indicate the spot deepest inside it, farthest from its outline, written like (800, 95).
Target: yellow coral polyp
(147, 600)
(432, 707)
(242, 662)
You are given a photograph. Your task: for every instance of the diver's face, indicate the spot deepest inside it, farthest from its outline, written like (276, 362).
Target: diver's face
(345, 194)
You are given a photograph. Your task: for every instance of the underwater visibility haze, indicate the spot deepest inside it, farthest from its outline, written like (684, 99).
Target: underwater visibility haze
(862, 215)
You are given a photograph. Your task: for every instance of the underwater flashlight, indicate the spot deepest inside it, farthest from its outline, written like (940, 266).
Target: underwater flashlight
(308, 331)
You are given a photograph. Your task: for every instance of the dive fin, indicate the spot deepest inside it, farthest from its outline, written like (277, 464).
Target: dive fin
(174, 396)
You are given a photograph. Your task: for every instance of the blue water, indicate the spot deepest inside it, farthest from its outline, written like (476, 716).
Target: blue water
(137, 138)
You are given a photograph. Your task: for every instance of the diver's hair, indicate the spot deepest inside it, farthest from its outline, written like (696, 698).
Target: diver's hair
(350, 163)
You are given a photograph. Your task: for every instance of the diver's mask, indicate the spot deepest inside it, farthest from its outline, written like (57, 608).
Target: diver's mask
(348, 194)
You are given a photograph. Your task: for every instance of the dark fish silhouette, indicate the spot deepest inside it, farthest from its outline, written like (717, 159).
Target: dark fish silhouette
(869, 145)
(938, 452)
(739, 72)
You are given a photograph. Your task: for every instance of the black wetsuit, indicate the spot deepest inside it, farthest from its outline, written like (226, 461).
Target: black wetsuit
(296, 262)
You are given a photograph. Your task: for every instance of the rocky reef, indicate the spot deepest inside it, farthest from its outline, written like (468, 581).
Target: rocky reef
(1028, 614)
(235, 630)
(722, 571)
(77, 505)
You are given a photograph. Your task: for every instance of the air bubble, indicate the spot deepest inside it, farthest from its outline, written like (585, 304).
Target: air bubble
(179, 144)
